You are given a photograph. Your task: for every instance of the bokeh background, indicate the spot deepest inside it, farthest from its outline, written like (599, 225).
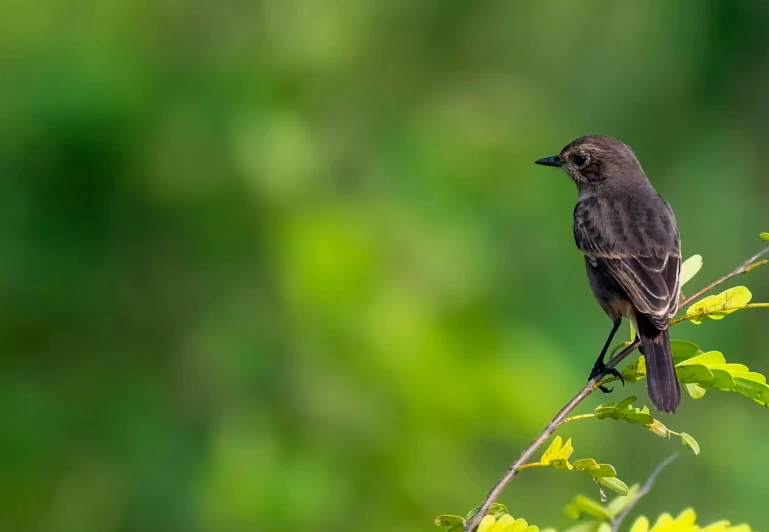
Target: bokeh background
(287, 265)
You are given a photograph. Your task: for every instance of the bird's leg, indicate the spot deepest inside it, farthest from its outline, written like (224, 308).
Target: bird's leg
(599, 368)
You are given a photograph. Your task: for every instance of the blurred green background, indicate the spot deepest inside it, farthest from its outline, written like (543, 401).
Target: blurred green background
(287, 265)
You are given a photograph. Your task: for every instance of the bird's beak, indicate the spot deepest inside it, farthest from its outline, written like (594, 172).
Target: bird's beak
(549, 161)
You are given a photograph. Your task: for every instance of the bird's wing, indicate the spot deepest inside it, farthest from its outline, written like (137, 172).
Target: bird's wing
(647, 269)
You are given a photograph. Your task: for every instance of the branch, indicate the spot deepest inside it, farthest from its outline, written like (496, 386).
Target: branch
(644, 490)
(592, 384)
(496, 491)
(744, 268)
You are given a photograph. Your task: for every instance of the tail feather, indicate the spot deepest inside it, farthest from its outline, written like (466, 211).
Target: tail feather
(661, 380)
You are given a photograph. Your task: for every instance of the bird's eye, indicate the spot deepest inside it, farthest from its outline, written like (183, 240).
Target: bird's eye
(580, 160)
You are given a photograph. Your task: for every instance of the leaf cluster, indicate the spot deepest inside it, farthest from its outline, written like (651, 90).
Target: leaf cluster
(702, 371)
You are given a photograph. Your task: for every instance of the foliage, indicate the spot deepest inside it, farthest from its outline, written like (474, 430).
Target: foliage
(624, 410)
(594, 517)
(557, 456)
(699, 371)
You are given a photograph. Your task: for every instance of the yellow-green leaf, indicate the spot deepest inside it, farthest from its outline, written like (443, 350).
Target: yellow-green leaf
(705, 359)
(718, 306)
(565, 452)
(562, 464)
(765, 236)
(614, 484)
(585, 464)
(690, 442)
(690, 267)
(693, 373)
(695, 391)
(449, 520)
(552, 451)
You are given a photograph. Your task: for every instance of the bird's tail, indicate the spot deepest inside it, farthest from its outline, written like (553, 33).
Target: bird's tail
(661, 381)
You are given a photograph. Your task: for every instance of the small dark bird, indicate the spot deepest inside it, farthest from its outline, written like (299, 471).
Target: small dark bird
(629, 237)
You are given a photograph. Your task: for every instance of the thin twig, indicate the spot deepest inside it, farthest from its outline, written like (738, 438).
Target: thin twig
(744, 268)
(542, 438)
(644, 490)
(559, 419)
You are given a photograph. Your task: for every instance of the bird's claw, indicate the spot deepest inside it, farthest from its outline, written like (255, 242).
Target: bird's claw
(600, 370)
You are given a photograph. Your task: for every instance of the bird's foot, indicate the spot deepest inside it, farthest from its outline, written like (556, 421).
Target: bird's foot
(600, 369)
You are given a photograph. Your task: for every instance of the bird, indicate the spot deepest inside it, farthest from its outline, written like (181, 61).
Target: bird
(629, 237)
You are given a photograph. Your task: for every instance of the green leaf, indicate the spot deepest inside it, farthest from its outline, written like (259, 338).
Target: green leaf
(695, 391)
(632, 332)
(690, 267)
(585, 464)
(693, 373)
(585, 507)
(626, 402)
(449, 520)
(690, 442)
(613, 484)
(753, 389)
(603, 471)
(765, 236)
(496, 510)
(718, 306)
(683, 350)
(721, 379)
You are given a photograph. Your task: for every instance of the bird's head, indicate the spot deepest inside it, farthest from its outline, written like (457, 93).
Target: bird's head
(594, 159)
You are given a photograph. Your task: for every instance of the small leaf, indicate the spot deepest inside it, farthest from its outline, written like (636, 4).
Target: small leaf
(626, 402)
(683, 350)
(695, 391)
(566, 451)
(641, 525)
(613, 484)
(583, 506)
(449, 520)
(721, 379)
(693, 373)
(690, 442)
(752, 389)
(690, 267)
(658, 428)
(486, 523)
(552, 451)
(632, 332)
(497, 510)
(718, 306)
(561, 464)
(603, 471)
(585, 464)
(765, 236)
(636, 371)
(705, 359)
